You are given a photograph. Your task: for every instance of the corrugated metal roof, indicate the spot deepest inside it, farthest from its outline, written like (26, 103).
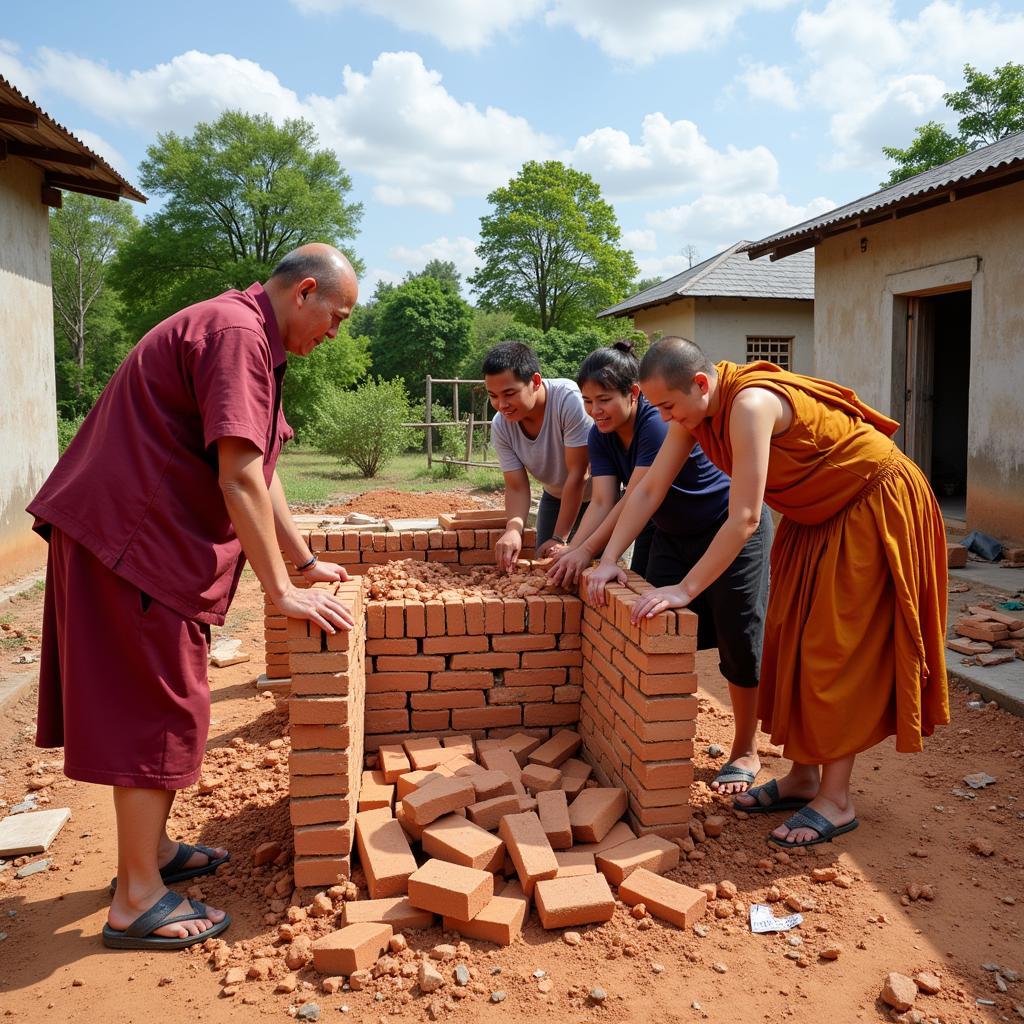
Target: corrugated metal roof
(27, 131)
(729, 274)
(986, 167)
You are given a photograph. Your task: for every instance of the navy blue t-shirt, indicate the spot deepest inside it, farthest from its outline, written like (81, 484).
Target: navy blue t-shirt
(698, 499)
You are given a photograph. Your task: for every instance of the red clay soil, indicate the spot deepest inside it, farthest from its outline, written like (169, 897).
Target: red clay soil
(920, 827)
(404, 505)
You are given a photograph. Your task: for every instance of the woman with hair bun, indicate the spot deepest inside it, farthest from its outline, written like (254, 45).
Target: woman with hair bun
(625, 439)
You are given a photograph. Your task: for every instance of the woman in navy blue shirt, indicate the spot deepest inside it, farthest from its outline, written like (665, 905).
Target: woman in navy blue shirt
(625, 438)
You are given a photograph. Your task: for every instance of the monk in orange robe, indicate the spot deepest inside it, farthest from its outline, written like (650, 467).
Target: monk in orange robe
(856, 620)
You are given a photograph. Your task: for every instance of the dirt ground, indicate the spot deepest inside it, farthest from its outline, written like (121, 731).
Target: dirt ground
(387, 504)
(918, 824)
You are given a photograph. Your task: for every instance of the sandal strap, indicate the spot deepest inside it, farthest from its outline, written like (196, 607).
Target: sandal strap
(807, 817)
(180, 859)
(770, 792)
(732, 773)
(148, 922)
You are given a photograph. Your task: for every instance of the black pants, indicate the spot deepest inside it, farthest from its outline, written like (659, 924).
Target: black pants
(730, 613)
(547, 516)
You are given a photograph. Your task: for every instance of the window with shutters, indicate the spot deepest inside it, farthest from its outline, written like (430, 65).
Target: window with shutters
(773, 350)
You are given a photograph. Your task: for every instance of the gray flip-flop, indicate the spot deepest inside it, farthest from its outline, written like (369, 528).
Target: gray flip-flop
(769, 801)
(172, 871)
(810, 818)
(139, 934)
(732, 773)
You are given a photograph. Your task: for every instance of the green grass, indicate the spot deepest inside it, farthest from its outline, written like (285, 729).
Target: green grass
(309, 476)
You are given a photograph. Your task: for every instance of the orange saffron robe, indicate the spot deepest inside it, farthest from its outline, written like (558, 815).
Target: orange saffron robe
(856, 621)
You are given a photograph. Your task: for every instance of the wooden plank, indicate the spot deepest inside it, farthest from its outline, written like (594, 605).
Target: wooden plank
(50, 154)
(87, 186)
(10, 114)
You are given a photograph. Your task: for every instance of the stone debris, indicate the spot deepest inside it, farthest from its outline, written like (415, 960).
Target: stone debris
(981, 846)
(898, 991)
(979, 780)
(430, 978)
(598, 995)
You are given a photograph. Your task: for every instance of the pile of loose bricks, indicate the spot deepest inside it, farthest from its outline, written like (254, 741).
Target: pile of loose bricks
(988, 635)
(471, 712)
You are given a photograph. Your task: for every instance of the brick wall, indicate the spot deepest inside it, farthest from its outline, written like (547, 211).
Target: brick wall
(486, 667)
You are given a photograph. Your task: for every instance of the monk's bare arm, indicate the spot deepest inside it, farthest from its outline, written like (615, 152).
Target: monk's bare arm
(639, 503)
(287, 533)
(755, 415)
(248, 501)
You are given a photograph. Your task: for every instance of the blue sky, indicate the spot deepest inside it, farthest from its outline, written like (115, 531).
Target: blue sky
(704, 121)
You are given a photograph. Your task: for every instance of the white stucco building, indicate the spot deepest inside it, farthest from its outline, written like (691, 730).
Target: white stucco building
(38, 160)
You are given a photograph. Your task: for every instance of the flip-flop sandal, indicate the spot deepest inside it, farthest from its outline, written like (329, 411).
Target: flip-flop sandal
(732, 773)
(810, 818)
(139, 934)
(173, 872)
(769, 801)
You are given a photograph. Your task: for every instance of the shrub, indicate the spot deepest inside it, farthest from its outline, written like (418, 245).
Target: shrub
(364, 427)
(67, 427)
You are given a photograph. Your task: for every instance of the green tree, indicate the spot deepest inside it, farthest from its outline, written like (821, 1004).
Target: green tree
(421, 328)
(990, 108)
(85, 235)
(549, 250)
(239, 193)
(364, 427)
(489, 329)
(334, 365)
(364, 317)
(442, 271)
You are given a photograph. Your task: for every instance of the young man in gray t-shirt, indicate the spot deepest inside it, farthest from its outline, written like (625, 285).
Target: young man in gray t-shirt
(540, 428)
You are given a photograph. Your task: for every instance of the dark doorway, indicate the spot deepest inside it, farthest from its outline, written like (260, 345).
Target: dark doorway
(951, 329)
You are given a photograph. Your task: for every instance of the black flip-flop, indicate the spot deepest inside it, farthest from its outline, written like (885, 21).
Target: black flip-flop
(139, 934)
(810, 818)
(172, 871)
(769, 801)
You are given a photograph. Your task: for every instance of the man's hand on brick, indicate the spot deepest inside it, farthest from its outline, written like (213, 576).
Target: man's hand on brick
(316, 605)
(604, 574)
(506, 551)
(325, 572)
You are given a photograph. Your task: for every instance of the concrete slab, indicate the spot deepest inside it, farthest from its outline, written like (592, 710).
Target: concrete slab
(13, 688)
(10, 591)
(397, 525)
(1002, 683)
(990, 574)
(21, 834)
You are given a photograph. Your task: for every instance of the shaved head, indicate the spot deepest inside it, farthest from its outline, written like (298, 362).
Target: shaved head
(675, 360)
(327, 266)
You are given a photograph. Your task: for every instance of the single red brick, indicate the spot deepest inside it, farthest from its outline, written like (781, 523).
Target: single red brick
(522, 745)
(385, 855)
(594, 812)
(535, 676)
(322, 684)
(455, 618)
(489, 813)
(552, 614)
(394, 682)
(552, 659)
(317, 762)
(474, 608)
(404, 646)
(393, 762)
(481, 556)
(321, 872)
(662, 774)
(318, 785)
(660, 709)
(454, 839)
(486, 718)
(318, 711)
(408, 663)
(374, 792)
(537, 778)
(488, 784)
(429, 802)
(442, 556)
(375, 625)
(396, 911)
(426, 752)
(467, 539)
(458, 746)
(430, 721)
(355, 947)
(494, 615)
(491, 660)
(455, 644)
(515, 616)
(500, 922)
(447, 699)
(435, 618)
(415, 619)
(312, 737)
(678, 904)
(462, 681)
(451, 889)
(559, 748)
(551, 714)
(319, 809)
(574, 901)
(956, 556)
(652, 852)
(523, 642)
(323, 840)
(386, 721)
(386, 701)
(553, 811)
(529, 849)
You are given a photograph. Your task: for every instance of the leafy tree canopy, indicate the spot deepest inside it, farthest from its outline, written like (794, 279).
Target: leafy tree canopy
(550, 250)
(239, 193)
(422, 328)
(442, 271)
(990, 108)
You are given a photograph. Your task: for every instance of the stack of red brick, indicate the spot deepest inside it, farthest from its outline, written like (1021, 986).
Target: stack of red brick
(638, 712)
(357, 550)
(471, 665)
(478, 814)
(326, 714)
(990, 636)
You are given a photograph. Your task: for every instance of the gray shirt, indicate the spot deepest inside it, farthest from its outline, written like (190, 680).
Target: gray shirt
(566, 425)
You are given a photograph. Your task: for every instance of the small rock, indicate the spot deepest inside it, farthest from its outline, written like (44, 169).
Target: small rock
(701, 931)
(719, 968)
(714, 826)
(77, 983)
(461, 975)
(658, 968)
(398, 943)
(498, 997)
(726, 890)
(235, 976)
(429, 978)
(289, 983)
(308, 1011)
(444, 951)
(540, 973)
(981, 846)
(572, 938)
(832, 952)
(321, 905)
(358, 980)
(165, 981)
(825, 874)
(598, 995)
(714, 750)
(266, 853)
(979, 780)
(31, 869)
(545, 986)
(639, 911)
(898, 991)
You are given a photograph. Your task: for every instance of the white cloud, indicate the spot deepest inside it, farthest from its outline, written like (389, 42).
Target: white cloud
(770, 83)
(459, 250)
(640, 240)
(15, 70)
(879, 75)
(641, 32)
(713, 222)
(662, 266)
(670, 157)
(458, 24)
